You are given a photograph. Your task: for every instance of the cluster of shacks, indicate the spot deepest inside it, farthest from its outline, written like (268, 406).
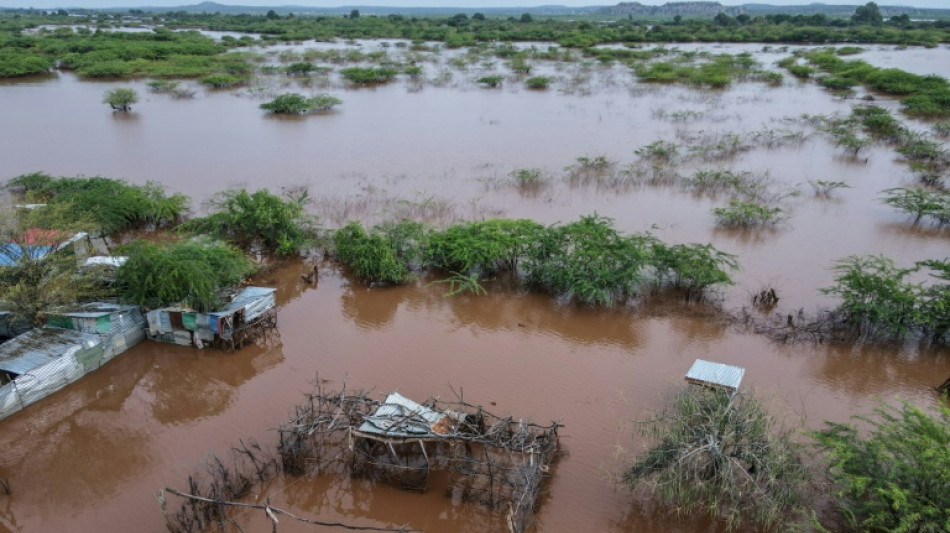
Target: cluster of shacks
(37, 362)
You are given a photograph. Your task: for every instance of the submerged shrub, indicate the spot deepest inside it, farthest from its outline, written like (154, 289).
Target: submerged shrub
(692, 267)
(110, 205)
(747, 214)
(16, 64)
(293, 104)
(221, 81)
(920, 203)
(369, 255)
(892, 473)
(259, 220)
(538, 82)
(121, 99)
(719, 453)
(491, 81)
(879, 300)
(484, 247)
(588, 261)
(364, 75)
(192, 273)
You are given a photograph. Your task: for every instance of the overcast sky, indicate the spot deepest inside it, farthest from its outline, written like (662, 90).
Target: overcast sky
(425, 3)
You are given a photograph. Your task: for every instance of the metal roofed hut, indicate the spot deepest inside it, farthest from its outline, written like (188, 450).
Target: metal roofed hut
(497, 462)
(251, 311)
(44, 360)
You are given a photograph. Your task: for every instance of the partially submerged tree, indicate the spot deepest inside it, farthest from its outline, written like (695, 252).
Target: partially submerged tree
(719, 453)
(191, 273)
(295, 104)
(258, 220)
(121, 98)
(894, 476)
(880, 299)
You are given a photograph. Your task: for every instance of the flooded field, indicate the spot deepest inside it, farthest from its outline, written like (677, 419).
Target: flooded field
(91, 457)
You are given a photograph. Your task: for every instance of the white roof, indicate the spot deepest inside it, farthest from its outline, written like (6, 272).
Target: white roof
(715, 374)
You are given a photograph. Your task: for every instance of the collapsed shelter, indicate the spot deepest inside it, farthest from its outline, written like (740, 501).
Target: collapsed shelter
(497, 462)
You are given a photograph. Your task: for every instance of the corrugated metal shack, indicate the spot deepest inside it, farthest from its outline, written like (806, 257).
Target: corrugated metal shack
(44, 360)
(251, 310)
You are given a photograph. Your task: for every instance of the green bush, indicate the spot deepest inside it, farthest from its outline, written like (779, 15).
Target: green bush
(256, 220)
(588, 261)
(692, 267)
(719, 454)
(192, 273)
(892, 472)
(111, 205)
(366, 75)
(300, 68)
(293, 104)
(221, 81)
(482, 248)
(920, 203)
(538, 82)
(747, 214)
(491, 81)
(370, 256)
(121, 98)
(879, 300)
(14, 65)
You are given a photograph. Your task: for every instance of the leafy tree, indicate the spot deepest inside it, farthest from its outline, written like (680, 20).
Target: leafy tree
(121, 99)
(719, 453)
(192, 273)
(272, 15)
(588, 261)
(526, 18)
(867, 14)
(880, 300)
(895, 475)
(482, 248)
(692, 267)
(354, 13)
(370, 255)
(256, 220)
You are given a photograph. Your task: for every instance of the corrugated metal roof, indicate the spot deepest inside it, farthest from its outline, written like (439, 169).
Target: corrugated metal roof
(95, 310)
(247, 296)
(40, 346)
(715, 374)
(401, 417)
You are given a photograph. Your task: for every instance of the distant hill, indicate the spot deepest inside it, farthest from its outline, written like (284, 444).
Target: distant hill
(623, 9)
(711, 9)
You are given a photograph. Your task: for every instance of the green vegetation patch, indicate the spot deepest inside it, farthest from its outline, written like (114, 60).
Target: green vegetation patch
(721, 454)
(258, 220)
(110, 205)
(190, 273)
(892, 469)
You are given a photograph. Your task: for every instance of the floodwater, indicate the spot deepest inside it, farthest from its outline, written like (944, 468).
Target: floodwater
(91, 457)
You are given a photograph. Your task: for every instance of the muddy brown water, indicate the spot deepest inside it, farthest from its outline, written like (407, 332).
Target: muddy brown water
(91, 457)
